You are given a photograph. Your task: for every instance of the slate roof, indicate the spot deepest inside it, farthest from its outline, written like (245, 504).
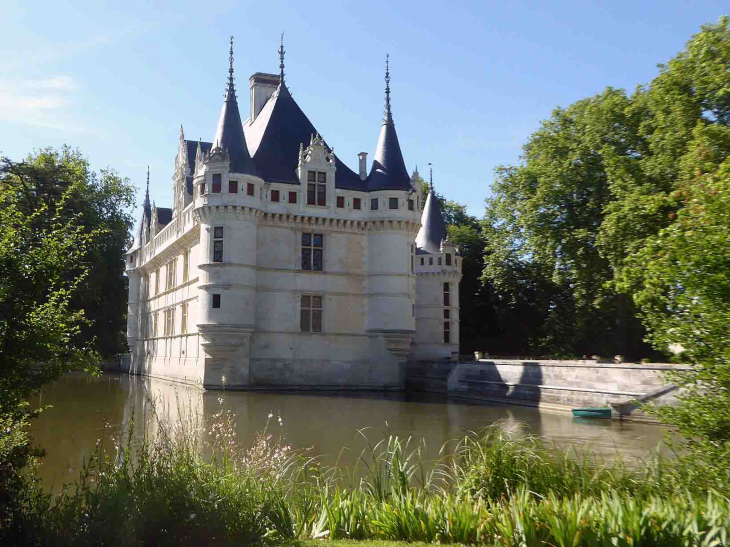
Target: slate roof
(388, 171)
(164, 215)
(433, 228)
(229, 134)
(275, 135)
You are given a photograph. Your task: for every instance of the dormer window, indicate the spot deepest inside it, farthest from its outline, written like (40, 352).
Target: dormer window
(316, 188)
(216, 183)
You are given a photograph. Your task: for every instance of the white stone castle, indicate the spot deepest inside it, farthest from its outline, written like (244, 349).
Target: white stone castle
(278, 267)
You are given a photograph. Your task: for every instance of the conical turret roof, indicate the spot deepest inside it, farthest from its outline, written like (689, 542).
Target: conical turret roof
(433, 228)
(229, 134)
(388, 171)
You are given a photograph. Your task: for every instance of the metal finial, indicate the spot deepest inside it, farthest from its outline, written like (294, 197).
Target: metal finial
(281, 58)
(231, 88)
(387, 88)
(430, 176)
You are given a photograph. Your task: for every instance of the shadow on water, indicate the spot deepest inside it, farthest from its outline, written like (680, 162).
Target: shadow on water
(325, 422)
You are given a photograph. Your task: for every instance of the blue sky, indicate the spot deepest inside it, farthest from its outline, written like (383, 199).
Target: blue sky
(470, 80)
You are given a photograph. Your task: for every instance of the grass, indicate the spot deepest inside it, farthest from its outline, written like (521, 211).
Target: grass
(196, 486)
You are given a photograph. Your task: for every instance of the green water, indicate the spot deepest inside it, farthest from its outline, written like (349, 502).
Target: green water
(323, 422)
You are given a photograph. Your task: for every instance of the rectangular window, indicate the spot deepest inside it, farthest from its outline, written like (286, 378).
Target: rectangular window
(131, 258)
(410, 205)
(439, 259)
(312, 252)
(447, 332)
(447, 314)
(218, 244)
(430, 261)
(186, 266)
(316, 188)
(340, 202)
(157, 282)
(275, 195)
(374, 204)
(422, 261)
(250, 189)
(448, 259)
(216, 183)
(292, 197)
(184, 319)
(232, 186)
(311, 313)
(216, 300)
(447, 295)
(393, 203)
(356, 203)
(154, 325)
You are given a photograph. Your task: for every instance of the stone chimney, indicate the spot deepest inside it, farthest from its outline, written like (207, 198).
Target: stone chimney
(262, 87)
(363, 165)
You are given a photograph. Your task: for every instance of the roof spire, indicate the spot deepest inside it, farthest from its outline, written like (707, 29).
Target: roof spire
(388, 116)
(430, 176)
(231, 91)
(281, 58)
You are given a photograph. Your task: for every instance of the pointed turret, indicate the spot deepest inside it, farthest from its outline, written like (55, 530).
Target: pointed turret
(146, 207)
(433, 229)
(229, 135)
(389, 170)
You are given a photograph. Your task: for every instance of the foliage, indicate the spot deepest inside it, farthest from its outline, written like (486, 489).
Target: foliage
(41, 265)
(62, 293)
(598, 180)
(195, 485)
(99, 204)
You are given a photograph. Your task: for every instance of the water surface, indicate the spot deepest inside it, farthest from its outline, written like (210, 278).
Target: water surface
(323, 422)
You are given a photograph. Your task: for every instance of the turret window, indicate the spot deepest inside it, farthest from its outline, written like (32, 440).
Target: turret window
(422, 261)
(312, 252)
(316, 188)
(218, 244)
(275, 195)
(292, 197)
(439, 259)
(250, 189)
(311, 313)
(374, 204)
(447, 332)
(216, 300)
(232, 186)
(340, 202)
(393, 203)
(216, 183)
(448, 259)
(447, 295)
(410, 205)
(356, 203)
(430, 261)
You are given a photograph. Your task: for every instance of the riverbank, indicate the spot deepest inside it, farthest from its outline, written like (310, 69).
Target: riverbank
(191, 482)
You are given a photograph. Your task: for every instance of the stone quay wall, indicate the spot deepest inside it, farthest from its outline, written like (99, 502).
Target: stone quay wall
(552, 385)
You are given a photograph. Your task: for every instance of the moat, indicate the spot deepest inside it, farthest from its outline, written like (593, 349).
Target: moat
(322, 422)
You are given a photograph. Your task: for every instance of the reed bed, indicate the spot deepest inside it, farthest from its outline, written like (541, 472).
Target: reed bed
(194, 485)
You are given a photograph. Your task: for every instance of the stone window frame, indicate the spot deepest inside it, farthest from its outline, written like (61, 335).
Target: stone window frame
(393, 203)
(216, 301)
(411, 205)
(216, 185)
(275, 195)
(374, 204)
(317, 188)
(292, 197)
(218, 244)
(184, 318)
(155, 324)
(340, 201)
(169, 317)
(302, 247)
(251, 189)
(448, 259)
(356, 204)
(232, 186)
(447, 332)
(311, 311)
(157, 281)
(186, 266)
(447, 294)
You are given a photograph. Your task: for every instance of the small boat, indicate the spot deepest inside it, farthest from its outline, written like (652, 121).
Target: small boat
(595, 412)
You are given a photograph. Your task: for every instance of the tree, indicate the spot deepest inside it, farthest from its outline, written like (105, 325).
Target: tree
(102, 203)
(41, 266)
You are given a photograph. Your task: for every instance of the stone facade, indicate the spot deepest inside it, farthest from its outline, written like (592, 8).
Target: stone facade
(254, 280)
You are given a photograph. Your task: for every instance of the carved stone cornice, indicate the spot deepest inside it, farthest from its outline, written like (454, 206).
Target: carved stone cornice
(239, 212)
(442, 273)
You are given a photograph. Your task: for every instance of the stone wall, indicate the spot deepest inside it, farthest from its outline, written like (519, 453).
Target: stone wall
(555, 385)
